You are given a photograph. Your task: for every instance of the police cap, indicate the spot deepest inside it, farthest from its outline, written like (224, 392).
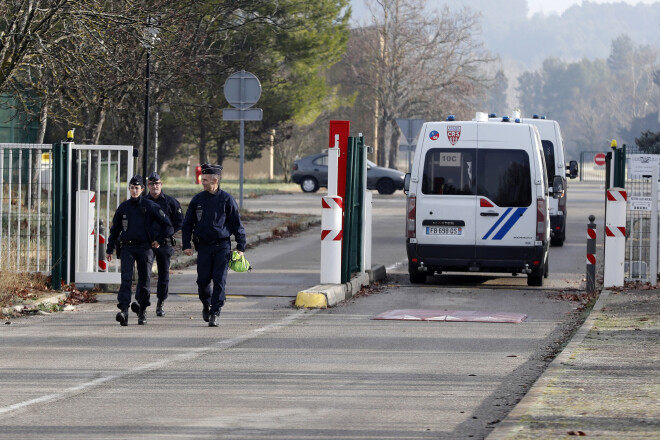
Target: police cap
(136, 180)
(154, 177)
(208, 168)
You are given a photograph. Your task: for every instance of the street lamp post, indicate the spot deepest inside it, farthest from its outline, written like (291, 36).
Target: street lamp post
(152, 34)
(145, 152)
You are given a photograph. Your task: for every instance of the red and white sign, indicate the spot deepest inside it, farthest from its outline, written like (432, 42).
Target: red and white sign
(453, 133)
(599, 159)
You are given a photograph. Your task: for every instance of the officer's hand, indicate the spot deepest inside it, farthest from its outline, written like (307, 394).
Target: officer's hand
(155, 244)
(108, 257)
(240, 252)
(188, 252)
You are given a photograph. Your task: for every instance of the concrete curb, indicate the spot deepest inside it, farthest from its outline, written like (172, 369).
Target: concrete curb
(184, 260)
(512, 424)
(327, 295)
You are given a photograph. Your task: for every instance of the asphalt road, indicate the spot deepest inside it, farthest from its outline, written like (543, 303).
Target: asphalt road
(271, 371)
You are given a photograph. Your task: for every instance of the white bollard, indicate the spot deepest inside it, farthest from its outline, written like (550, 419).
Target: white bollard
(331, 237)
(366, 231)
(615, 237)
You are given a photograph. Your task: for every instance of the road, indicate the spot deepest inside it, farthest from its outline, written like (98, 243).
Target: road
(271, 371)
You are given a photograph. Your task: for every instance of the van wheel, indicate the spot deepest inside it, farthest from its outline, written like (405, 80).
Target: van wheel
(418, 278)
(309, 184)
(557, 241)
(385, 186)
(536, 277)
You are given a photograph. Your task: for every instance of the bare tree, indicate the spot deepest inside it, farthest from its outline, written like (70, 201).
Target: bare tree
(416, 63)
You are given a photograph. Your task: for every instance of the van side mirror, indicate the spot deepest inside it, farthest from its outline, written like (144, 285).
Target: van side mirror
(406, 183)
(557, 187)
(572, 169)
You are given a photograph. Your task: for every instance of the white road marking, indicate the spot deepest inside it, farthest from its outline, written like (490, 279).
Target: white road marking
(189, 355)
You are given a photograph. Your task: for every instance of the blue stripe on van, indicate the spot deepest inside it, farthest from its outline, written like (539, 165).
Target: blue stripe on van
(497, 223)
(509, 224)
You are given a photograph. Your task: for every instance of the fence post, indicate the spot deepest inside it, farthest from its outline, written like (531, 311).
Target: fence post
(591, 255)
(59, 266)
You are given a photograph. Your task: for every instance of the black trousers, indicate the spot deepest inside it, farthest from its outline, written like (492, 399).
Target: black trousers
(163, 256)
(212, 265)
(143, 256)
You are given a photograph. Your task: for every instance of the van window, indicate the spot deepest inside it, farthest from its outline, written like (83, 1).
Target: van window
(504, 177)
(549, 153)
(449, 171)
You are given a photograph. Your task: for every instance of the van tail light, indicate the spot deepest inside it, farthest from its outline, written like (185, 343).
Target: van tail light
(411, 216)
(562, 203)
(541, 219)
(295, 167)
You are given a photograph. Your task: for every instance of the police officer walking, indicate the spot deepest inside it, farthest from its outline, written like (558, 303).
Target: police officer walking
(212, 217)
(137, 226)
(163, 253)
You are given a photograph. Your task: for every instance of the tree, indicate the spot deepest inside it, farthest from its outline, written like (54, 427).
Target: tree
(649, 142)
(416, 64)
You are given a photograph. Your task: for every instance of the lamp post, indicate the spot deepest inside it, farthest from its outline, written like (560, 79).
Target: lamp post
(151, 36)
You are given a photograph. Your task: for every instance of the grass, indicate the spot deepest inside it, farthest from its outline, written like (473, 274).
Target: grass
(182, 187)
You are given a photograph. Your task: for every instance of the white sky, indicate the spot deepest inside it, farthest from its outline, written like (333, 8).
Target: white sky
(559, 6)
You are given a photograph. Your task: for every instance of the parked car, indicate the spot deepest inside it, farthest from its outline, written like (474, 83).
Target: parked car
(311, 173)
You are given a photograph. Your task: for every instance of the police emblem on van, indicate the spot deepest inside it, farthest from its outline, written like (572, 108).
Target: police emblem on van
(434, 135)
(453, 133)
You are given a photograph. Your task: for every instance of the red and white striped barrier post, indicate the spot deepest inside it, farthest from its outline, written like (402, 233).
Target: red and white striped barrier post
(591, 255)
(332, 222)
(615, 237)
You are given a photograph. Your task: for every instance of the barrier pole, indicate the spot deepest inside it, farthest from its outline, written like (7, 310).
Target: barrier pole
(615, 237)
(591, 255)
(332, 222)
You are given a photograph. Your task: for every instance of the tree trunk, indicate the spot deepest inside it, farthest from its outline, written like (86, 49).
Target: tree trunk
(220, 151)
(203, 139)
(382, 123)
(394, 145)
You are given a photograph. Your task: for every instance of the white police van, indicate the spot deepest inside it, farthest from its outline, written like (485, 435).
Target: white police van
(478, 200)
(555, 160)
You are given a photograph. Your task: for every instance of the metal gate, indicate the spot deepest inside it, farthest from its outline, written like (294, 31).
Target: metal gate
(589, 170)
(25, 207)
(98, 177)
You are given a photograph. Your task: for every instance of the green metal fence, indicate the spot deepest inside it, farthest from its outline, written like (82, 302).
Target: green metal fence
(353, 208)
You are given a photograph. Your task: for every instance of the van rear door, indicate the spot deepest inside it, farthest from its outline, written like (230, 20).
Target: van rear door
(506, 211)
(446, 199)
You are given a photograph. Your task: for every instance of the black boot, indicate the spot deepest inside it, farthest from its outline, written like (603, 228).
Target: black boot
(142, 315)
(159, 308)
(205, 313)
(215, 317)
(122, 316)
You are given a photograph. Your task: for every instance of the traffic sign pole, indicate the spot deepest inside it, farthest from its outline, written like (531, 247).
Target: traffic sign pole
(242, 90)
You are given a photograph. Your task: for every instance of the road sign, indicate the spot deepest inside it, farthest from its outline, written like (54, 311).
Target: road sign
(237, 114)
(599, 159)
(410, 128)
(406, 147)
(242, 90)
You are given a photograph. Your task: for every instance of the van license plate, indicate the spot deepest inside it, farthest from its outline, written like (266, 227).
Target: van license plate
(444, 230)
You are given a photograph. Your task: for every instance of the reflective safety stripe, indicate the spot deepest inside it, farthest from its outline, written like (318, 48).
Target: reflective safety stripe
(510, 221)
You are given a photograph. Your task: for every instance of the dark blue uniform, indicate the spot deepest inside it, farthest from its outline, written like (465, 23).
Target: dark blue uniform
(163, 254)
(136, 224)
(213, 219)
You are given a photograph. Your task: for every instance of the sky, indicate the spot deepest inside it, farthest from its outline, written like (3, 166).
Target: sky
(559, 6)
(545, 7)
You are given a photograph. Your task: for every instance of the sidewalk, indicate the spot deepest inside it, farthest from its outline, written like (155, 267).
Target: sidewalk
(606, 381)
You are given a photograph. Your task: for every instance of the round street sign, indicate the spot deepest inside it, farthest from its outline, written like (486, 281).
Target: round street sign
(599, 159)
(242, 90)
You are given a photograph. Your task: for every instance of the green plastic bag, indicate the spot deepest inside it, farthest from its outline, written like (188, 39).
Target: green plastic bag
(239, 263)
